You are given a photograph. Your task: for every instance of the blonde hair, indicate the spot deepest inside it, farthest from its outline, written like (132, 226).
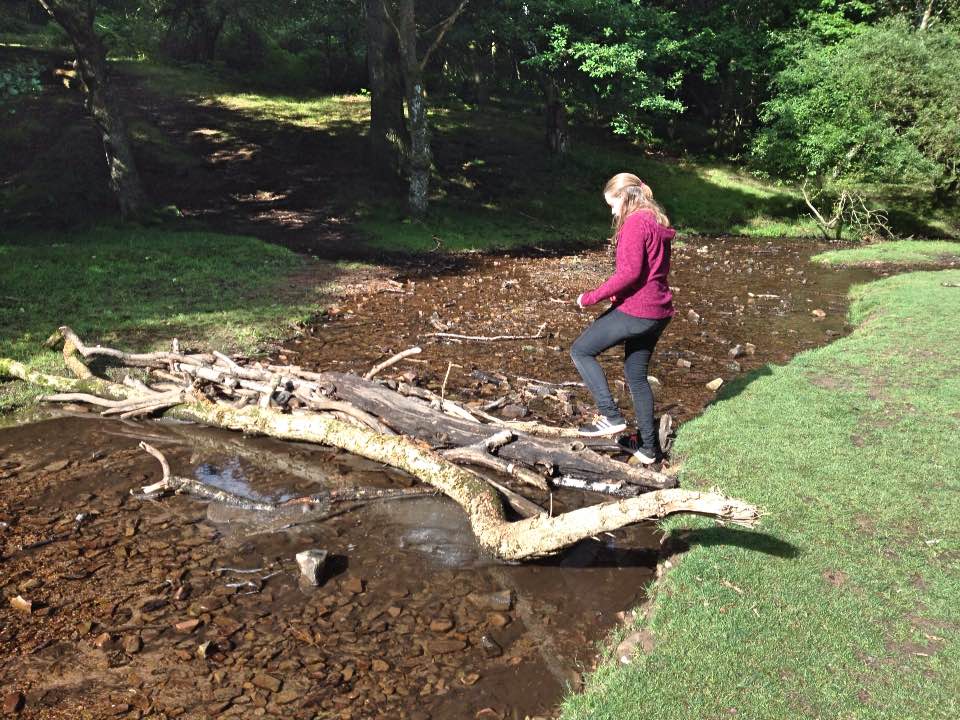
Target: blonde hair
(636, 196)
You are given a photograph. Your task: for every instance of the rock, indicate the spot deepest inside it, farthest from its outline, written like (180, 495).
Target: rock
(103, 641)
(502, 600)
(287, 696)
(818, 313)
(469, 679)
(132, 644)
(681, 363)
(693, 316)
(84, 628)
(12, 702)
(56, 466)
(733, 365)
(750, 348)
(736, 351)
(394, 611)
(514, 412)
(715, 384)
(353, 585)
(490, 647)
(21, 604)
(379, 666)
(187, 626)
(267, 682)
(444, 646)
(312, 564)
(498, 620)
(441, 625)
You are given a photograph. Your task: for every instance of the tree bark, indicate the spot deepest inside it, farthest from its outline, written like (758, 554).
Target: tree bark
(76, 17)
(420, 156)
(388, 139)
(556, 119)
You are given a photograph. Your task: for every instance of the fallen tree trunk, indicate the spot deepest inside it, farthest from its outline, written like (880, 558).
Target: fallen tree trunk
(523, 539)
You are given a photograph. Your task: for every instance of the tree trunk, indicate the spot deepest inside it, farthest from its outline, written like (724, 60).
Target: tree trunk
(418, 127)
(556, 117)
(76, 18)
(927, 15)
(388, 141)
(520, 540)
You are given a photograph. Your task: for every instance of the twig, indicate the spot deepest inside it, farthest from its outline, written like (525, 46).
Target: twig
(392, 361)
(489, 338)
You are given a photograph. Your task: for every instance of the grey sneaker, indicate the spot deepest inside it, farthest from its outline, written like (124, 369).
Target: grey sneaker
(603, 425)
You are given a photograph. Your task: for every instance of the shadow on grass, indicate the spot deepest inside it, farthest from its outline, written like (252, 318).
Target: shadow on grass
(746, 539)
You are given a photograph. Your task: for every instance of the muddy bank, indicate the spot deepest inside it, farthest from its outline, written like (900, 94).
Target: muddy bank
(410, 622)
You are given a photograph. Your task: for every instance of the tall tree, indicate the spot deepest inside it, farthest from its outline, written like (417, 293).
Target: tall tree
(388, 139)
(402, 16)
(76, 18)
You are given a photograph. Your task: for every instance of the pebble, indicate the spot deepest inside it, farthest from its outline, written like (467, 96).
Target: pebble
(21, 604)
(441, 625)
(818, 313)
(312, 566)
(693, 316)
(12, 702)
(490, 647)
(132, 644)
(187, 626)
(736, 351)
(353, 585)
(442, 647)
(267, 682)
(750, 348)
(379, 666)
(498, 620)
(515, 412)
(715, 384)
(502, 600)
(681, 363)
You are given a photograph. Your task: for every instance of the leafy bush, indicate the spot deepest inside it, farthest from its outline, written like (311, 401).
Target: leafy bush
(879, 107)
(22, 78)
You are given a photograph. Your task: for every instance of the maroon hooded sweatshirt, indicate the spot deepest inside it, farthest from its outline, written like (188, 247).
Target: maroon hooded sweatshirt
(639, 285)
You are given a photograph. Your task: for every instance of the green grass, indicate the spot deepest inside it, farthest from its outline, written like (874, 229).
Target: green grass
(898, 252)
(141, 287)
(843, 604)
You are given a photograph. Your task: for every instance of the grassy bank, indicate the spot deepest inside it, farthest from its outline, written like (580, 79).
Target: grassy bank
(843, 604)
(897, 253)
(142, 287)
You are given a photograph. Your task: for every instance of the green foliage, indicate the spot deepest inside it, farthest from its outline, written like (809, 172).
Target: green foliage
(22, 78)
(881, 106)
(618, 59)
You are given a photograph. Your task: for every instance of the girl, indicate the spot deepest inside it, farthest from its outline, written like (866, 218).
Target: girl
(641, 308)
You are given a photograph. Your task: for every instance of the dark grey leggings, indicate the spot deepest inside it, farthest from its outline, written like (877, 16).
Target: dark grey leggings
(639, 336)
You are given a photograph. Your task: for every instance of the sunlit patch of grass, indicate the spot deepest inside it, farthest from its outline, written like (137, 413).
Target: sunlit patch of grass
(842, 603)
(142, 287)
(897, 252)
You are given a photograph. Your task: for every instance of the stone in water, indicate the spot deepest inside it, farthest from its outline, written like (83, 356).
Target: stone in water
(312, 564)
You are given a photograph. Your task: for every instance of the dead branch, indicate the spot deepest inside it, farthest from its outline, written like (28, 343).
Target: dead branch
(532, 537)
(389, 362)
(482, 454)
(489, 338)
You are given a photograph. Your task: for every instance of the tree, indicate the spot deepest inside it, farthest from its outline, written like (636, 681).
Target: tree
(880, 107)
(402, 17)
(388, 139)
(76, 18)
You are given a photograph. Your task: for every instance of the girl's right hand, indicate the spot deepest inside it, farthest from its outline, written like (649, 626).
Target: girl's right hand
(580, 301)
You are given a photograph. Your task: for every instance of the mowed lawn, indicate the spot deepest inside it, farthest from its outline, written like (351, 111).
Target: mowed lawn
(844, 602)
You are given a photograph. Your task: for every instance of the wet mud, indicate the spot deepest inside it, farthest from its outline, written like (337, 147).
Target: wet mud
(132, 617)
(741, 305)
(115, 606)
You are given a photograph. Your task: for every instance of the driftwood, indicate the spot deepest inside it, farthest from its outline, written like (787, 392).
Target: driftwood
(211, 399)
